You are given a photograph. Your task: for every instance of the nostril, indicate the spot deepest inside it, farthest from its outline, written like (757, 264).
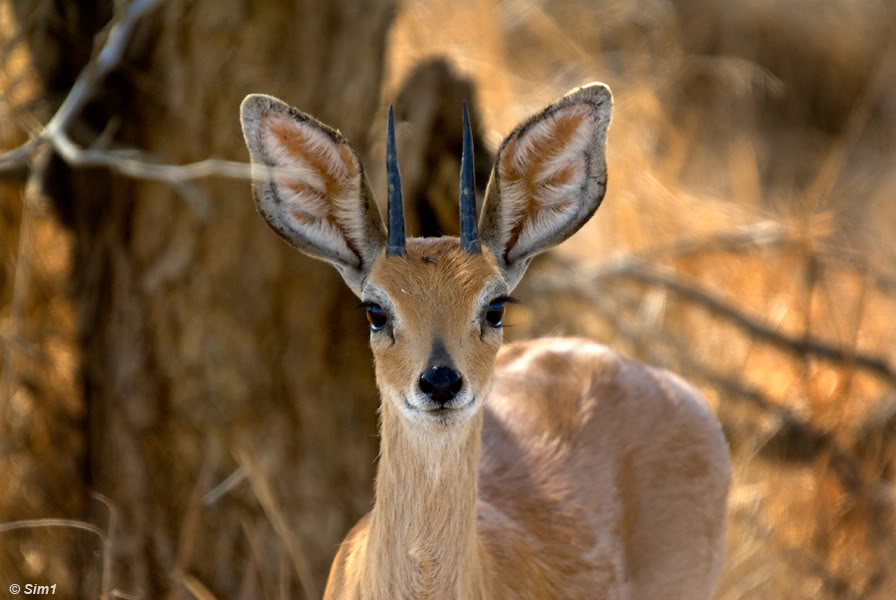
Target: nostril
(441, 383)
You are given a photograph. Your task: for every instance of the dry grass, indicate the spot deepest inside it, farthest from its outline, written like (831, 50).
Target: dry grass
(750, 156)
(755, 119)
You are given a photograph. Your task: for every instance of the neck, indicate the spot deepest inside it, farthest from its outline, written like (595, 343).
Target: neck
(423, 538)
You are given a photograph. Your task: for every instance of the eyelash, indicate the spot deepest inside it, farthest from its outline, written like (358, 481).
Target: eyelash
(376, 315)
(493, 314)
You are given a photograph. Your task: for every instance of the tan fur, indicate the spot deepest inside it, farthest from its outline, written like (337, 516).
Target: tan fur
(558, 469)
(585, 475)
(435, 273)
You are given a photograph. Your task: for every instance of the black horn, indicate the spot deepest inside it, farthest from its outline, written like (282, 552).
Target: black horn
(395, 246)
(469, 241)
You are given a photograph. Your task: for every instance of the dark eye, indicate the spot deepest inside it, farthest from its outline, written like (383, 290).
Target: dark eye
(377, 316)
(494, 313)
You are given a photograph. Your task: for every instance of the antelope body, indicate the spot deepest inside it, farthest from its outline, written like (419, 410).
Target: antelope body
(547, 469)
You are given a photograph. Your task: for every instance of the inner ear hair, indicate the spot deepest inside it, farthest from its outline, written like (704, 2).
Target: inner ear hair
(317, 197)
(549, 178)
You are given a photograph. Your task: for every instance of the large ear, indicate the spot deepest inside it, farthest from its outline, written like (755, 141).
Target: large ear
(313, 191)
(549, 177)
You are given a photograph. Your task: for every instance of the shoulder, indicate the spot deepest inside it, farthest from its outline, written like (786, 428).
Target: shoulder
(350, 550)
(556, 351)
(564, 384)
(555, 366)
(545, 386)
(551, 365)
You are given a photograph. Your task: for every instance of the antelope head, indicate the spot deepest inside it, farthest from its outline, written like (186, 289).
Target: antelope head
(435, 305)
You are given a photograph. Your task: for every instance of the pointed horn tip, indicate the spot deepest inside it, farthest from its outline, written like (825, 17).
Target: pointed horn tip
(468, 239)
(468, 133)
(396, 241)
(390, 130)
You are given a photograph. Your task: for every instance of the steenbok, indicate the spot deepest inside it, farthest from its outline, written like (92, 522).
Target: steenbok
(553, 468)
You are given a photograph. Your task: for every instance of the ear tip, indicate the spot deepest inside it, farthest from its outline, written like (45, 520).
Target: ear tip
(254, 104)
(596, 92)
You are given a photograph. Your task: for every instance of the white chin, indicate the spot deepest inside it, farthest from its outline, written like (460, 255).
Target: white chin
(422, 410)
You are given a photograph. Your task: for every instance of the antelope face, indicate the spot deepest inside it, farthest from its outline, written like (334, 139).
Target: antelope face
(435, 305)
(436, 317)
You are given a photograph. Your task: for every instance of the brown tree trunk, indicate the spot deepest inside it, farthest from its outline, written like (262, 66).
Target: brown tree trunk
(208, 345)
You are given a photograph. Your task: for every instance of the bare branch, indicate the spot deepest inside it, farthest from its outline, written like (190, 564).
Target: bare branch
(132, 163)
(139, 165)
(41, 523)
(13, 160)
(85, 85)
(261, 486)
(794, 438)
(21, 279)
(197, 589)
(630, 267)
(771, 234)
(762, 234)
(106, 574)
(223, 488)
(96, 70)
(834, 583)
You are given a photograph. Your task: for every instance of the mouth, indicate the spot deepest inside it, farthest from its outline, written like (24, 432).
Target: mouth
(441, 414)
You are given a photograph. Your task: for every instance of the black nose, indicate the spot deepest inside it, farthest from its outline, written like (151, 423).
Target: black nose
(441, 384)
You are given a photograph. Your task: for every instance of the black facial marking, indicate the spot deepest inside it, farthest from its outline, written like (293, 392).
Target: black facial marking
(438, 356)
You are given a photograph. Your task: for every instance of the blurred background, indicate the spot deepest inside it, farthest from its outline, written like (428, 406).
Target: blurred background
(187, 406)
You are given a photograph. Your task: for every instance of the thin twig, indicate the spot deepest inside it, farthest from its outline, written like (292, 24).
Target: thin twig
(137, 165)
(834, 583)
(265, 494)
(128, 162)
(41, 523)
(189, 534)
(770, 234)
(631, 267)
(140, 165)
(21, 278)
(223, 488)
(86, 84)
(197, 589)
(20, 344)
(106, 576)
(256, 560)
